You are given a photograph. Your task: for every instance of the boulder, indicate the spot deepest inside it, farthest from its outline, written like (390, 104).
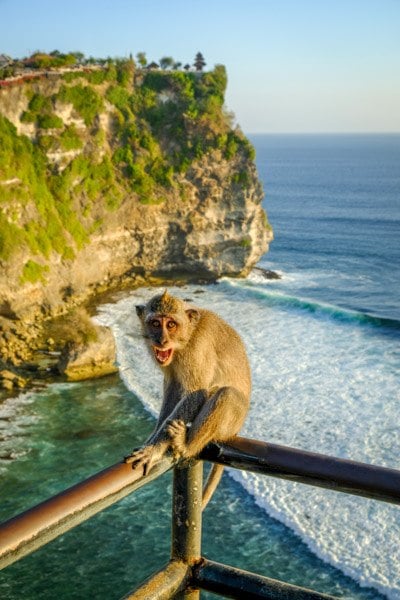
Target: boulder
(94, 358)
(10, 380)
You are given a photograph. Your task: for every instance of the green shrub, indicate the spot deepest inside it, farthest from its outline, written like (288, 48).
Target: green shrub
(125, 70)
(231, 146)
(85, 100)
(72, 75)
(119, 96)
(46, 142)
(40, 104)
(96, 77)
(33, 272)
(70, 138)
(50, 122)
(68, 253)
(28, 117)
(242, 178)
(11, 237)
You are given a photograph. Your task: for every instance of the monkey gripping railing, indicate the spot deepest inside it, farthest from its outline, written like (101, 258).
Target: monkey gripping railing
(187, 572)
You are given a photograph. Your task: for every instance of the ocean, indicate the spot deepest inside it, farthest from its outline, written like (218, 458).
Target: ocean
(323, 343)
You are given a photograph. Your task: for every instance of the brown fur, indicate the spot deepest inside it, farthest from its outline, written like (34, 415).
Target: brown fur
(207, 381)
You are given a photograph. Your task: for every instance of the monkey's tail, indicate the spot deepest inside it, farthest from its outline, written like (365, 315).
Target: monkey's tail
(211, 483)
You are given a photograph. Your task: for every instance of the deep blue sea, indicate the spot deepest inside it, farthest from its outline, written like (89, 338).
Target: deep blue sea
(323, 343)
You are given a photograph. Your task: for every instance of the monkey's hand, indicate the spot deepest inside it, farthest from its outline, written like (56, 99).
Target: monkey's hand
(143, 458)
(177, 433)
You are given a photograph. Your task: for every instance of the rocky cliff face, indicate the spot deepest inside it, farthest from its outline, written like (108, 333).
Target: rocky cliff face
(152, 183)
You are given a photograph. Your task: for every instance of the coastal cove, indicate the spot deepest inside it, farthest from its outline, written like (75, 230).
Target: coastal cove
(323, 344)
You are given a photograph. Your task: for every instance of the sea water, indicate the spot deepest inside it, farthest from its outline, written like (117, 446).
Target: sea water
(323, 343)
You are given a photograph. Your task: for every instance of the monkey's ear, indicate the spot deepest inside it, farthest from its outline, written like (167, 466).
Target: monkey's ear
(194, 315)
(140, 310)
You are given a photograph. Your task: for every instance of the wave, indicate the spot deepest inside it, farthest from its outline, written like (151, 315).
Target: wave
(252, 286)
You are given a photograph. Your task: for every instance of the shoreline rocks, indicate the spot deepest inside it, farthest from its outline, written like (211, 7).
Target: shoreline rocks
(266, 273)
(89, 360)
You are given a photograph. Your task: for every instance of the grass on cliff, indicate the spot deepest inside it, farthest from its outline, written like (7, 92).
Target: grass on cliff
(29, 214)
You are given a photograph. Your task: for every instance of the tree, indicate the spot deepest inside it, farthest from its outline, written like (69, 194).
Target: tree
(142, 60)
(177, 65)
(166, 62)
(187, 67)
(80, 57)
(199, 62)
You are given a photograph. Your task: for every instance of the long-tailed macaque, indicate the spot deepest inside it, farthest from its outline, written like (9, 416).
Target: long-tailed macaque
(206, 382)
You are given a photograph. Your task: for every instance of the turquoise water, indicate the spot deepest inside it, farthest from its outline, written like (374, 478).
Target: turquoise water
(323, 343)
(72, 431)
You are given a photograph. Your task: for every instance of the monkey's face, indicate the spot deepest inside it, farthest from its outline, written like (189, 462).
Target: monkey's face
(167, 326)
(163, 334)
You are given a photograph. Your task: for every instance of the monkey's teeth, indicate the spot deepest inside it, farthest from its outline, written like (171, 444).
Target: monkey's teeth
(162, 355)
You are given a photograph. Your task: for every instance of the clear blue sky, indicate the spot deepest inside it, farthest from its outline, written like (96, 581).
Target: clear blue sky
(293, 65)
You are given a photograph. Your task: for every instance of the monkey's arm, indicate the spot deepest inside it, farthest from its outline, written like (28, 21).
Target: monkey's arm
(172, 396)
(185, 410)
(157, 443)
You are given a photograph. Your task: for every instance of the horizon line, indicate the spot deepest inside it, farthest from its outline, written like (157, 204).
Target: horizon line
(321, 132)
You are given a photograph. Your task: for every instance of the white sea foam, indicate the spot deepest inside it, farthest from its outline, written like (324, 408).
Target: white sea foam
(14, 421)
(318, 384)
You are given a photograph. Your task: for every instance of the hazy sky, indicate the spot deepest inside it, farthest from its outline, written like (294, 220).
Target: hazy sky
(293, 65)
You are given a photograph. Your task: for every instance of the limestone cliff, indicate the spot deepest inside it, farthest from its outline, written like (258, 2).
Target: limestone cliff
(115, 173)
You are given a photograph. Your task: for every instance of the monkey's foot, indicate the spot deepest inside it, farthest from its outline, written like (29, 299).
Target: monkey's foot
(142, 457)
(177, 434)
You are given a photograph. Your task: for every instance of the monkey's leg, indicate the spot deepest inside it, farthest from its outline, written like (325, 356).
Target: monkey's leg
(219, 419)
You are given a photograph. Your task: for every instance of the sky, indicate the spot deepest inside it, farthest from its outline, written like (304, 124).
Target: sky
(294, 66)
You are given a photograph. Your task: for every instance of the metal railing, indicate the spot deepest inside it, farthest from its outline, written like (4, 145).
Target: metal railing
(187, 572)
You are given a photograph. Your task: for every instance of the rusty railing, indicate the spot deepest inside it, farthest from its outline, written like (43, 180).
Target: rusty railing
(188, 572)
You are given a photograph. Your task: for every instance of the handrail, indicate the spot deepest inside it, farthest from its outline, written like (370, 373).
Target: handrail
(37, 526)
(321, 470)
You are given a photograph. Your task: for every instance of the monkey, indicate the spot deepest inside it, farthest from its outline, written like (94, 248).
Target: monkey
(207, 382)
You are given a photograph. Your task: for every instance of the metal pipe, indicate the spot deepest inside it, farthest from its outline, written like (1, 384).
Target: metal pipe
(39, 525)
(340, 475)
(164, 584)
(186, 518)
(236, 583)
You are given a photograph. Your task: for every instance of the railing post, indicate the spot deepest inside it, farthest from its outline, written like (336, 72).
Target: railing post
(186, 519)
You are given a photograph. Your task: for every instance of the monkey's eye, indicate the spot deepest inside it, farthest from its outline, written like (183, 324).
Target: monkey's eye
(155, 323)
(171, 325)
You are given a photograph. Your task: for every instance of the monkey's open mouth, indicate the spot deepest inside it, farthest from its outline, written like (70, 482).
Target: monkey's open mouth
(162, 356)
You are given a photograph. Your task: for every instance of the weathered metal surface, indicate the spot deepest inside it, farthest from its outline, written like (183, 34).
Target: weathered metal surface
(235, 583)
(186, 519)
(39, 525)
(164, 584)
(338, 474)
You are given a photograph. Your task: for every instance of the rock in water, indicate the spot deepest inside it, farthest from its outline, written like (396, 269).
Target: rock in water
(94, 358)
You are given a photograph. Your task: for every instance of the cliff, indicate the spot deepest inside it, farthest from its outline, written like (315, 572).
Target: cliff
(113, 173)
